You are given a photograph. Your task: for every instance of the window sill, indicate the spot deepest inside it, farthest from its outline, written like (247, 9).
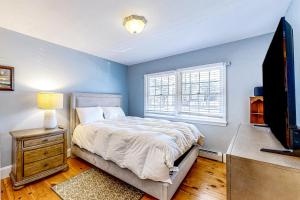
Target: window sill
(193, 120)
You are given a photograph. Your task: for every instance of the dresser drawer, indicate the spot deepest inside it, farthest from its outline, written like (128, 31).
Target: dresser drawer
(43, 140)
(43, 165)
(43, 153)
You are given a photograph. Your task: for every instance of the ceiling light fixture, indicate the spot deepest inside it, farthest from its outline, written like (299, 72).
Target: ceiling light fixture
(134, 23)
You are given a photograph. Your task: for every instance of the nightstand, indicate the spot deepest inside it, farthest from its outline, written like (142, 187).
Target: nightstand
(37, 153)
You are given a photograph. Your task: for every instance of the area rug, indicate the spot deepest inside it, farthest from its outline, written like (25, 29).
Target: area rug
(95, 184)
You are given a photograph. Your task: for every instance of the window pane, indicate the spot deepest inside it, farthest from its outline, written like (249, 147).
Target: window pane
(157, 100)
(172, 89)
(151, 82)
(165, 80)
(202, 100)
(186, 89)
(151, 100)
(150, 108)
(158, 81)
(185, 109)
(157, 91)
(204, 76)
(204, 88)
(186, 78)
(157, 108)
(195, 77)
(193, 109)
(195, 88)
(171, 100)
(215, 75)
(215, 87)
(164, 102)
(161, 93)
(151, 90)
(185, 100)
(165, 90)
(215, 101)
(172, 80)
(194, 97)
(171, 108)
(202, 92)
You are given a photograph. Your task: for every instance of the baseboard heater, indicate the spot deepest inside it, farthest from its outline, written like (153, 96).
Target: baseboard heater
(218, 156)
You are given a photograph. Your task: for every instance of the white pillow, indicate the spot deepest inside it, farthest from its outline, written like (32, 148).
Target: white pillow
(89, 114)
(113, 112)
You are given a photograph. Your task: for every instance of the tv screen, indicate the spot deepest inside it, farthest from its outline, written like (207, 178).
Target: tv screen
(279, 86)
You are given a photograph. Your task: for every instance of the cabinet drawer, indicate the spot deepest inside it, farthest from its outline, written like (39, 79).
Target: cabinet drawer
(43, 165)
(43, 140)
(43, 153)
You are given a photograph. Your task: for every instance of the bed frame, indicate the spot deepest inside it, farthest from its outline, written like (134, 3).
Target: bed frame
(159, 190)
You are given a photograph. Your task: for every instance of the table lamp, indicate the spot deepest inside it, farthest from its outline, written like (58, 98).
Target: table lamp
(50, 102)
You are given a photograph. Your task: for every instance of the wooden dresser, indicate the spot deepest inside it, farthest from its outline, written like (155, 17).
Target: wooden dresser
(37, 153)
(252, 174)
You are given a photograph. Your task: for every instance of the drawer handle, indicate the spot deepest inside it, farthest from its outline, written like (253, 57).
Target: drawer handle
(46, 152)
(45, 140)
(46, 165)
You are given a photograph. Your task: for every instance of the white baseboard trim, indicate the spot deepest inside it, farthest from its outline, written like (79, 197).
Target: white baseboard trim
(4, 172)
(218, 156)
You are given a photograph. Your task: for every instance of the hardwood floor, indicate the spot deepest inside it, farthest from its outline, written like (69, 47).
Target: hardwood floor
(205, 181)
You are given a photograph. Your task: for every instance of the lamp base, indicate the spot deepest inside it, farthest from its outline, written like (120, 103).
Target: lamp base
(50, 121)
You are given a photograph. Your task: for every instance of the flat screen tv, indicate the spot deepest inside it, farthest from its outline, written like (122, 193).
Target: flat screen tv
(279, 89)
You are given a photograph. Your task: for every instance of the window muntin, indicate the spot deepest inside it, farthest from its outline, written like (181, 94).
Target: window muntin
(161, 93)
(202, 92)
(197, 93)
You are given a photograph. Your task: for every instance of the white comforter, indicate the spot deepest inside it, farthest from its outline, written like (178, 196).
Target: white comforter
(147, 147)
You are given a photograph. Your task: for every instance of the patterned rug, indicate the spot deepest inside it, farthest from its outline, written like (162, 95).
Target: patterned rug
(95, 184)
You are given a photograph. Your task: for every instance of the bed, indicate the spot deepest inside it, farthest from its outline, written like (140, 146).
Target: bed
(163, 190)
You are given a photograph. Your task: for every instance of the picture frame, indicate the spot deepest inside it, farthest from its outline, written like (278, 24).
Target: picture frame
(6, 78)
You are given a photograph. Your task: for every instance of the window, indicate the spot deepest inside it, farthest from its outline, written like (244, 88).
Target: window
(161, 93)
(195, 94)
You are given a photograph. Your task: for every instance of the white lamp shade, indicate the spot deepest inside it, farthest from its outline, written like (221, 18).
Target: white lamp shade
(50, 101)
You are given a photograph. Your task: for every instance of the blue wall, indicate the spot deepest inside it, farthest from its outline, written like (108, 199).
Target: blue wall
(44, 66)
(293, 17)
(40, 65)
(243, 75)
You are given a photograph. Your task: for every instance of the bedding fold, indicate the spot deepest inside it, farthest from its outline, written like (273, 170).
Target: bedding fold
(148, 147)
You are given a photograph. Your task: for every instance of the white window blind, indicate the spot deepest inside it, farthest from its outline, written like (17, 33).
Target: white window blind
(161, 93)
(196, 93)
(202, 92)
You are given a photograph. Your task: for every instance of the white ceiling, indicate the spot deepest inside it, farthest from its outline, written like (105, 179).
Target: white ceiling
(174, 26)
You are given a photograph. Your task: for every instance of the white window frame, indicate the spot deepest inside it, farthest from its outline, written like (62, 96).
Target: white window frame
(146, 76)
(222, 121)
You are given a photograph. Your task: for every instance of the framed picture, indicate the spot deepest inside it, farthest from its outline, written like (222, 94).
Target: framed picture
(6, 78)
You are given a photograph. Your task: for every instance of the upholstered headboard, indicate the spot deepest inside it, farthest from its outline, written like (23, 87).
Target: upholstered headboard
(91, 100)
